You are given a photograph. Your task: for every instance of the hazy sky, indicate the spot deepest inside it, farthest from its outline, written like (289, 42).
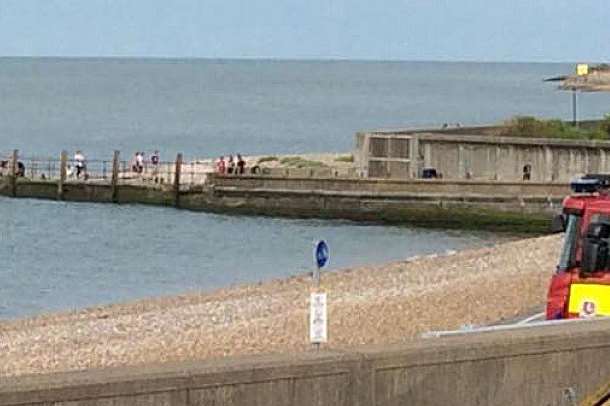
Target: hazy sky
(488, 30)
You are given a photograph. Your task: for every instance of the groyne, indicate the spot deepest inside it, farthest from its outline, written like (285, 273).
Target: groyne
(323, 193)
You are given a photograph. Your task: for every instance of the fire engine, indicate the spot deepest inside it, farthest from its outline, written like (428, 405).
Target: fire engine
(580, 287)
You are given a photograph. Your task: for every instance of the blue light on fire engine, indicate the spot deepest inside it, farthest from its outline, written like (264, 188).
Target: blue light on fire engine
(590, 183)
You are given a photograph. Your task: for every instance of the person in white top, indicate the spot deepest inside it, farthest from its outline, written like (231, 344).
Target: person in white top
(79, 163)
(140, 161)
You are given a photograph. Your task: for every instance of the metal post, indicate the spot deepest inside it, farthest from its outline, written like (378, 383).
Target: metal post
(14, 159)
(177, 180)
(63, 163)
(574, 120)
(115, 177)
(316, 277)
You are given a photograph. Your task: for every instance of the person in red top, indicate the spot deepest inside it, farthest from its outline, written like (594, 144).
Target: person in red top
(220, 166)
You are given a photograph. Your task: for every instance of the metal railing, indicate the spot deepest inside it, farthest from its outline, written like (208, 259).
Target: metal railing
(162, 174)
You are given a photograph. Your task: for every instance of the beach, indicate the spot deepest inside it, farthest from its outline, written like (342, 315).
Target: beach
(388, 303)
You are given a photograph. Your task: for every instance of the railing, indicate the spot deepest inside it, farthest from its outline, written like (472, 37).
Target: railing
(37, 168)
(101, 170)
(162, 174)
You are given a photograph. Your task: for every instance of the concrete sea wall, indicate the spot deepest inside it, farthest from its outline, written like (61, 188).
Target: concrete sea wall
(550, 365)
(477, 153)
(514, 206)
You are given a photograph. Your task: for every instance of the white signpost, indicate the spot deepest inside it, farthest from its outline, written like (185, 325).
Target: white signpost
(318, 322)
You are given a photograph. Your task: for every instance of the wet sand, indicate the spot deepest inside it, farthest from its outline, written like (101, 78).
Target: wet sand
(388, 303)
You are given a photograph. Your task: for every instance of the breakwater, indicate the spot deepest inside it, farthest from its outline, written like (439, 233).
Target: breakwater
(498, 205)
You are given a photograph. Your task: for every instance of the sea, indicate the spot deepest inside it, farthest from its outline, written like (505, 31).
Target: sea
(58, 256)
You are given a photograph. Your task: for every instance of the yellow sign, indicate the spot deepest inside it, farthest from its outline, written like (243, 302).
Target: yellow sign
(589, 300)
(582, 69)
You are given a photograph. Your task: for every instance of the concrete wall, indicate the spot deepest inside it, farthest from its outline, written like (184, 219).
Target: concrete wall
(89, 192)
(436, 186)
(536, 366)
(510, 206)
(479, 156)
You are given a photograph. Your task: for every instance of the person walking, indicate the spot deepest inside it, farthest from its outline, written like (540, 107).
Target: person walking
(155, 159)
(79, 163)
(241, 164)
(140, 162)
(231, 165)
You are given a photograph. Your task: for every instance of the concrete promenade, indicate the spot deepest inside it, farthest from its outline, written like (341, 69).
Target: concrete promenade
(556, 365)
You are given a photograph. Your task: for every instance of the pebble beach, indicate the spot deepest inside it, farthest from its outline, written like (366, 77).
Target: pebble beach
(387, 303)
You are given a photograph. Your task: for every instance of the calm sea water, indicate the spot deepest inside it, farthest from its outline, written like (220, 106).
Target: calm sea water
(207, 107)
(66, 255)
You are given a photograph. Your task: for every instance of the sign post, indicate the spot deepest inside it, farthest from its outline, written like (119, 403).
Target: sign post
(321, 255)
(318, 322)
(582, 69)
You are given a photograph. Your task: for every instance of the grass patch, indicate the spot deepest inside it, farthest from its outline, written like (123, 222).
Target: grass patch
(267, 159)
(345, 158)
(527, 126)
(298, 162)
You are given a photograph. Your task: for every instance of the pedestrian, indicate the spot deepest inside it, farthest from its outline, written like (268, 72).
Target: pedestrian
(231, 165)
(20, 169)
(140, 161)
(134, 162)
(220, 166)
(155, 159)
(79, 163)
(240, 164)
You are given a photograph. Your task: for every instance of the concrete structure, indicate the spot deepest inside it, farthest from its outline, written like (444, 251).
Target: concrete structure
(477, 153)
(511, 206)
(551, 365)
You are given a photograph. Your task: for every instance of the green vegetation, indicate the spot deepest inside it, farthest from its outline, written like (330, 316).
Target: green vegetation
(298, 162)
(599, 68)
(267, 159)
(526, 126)
(345, 158)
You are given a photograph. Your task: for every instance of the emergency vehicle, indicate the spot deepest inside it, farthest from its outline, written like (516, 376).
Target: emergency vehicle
(580, 287)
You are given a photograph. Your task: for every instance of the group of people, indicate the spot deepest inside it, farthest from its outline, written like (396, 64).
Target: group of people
(232, 166)
(5, 167)
(138, 164)
(79, 164)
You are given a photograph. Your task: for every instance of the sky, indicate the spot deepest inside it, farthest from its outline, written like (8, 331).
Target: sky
(445, 30)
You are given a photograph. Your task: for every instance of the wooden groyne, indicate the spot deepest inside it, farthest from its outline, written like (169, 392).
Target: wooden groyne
(500, 205)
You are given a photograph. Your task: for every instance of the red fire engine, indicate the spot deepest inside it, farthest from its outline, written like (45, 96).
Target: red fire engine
(581, 285)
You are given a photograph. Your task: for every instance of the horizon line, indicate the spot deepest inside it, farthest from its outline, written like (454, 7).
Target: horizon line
(284, 59)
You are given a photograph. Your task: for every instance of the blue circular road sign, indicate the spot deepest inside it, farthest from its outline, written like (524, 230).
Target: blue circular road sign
(321, 253)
